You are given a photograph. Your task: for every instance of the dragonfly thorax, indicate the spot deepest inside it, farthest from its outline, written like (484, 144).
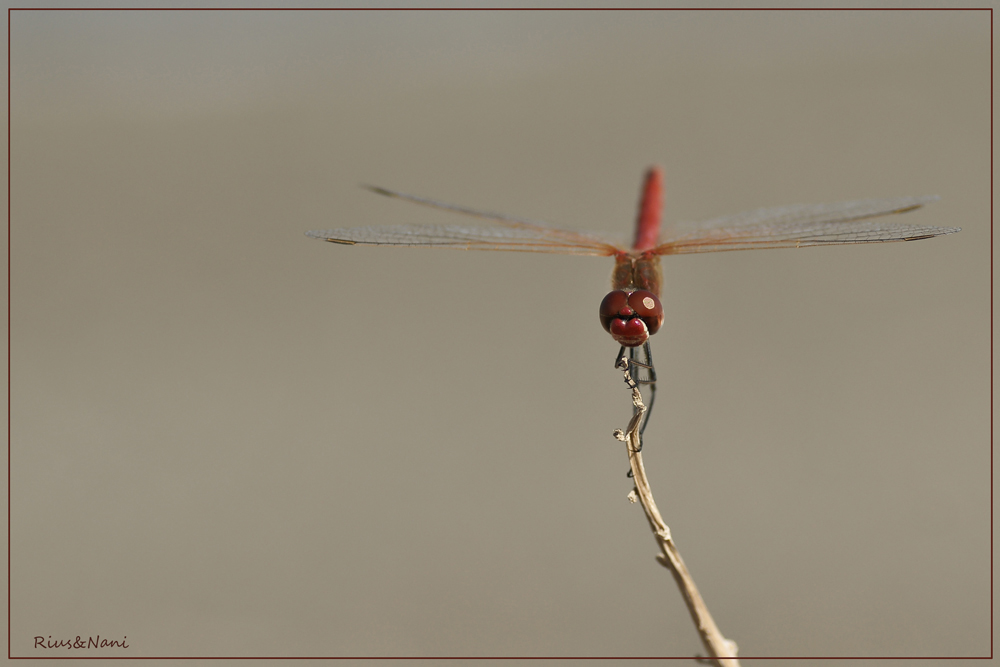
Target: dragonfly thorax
(640, 271)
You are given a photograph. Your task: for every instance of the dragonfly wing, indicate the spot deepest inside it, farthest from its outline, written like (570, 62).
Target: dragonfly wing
(524, 239)
(802, 225)
(499, 218)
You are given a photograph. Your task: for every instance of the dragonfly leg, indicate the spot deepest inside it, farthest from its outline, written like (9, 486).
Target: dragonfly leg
(642, 371)
(652, 385)
(621, 359)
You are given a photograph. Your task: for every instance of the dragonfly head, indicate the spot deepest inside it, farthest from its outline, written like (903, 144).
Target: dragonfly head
(631, 317)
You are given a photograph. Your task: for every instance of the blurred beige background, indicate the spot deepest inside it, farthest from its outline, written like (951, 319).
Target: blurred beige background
(228, 439)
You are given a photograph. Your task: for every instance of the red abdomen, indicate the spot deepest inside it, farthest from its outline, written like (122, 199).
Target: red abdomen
(647, 226)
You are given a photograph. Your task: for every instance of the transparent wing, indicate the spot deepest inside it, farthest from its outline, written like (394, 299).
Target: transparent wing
(500, 218)
(471, 238)
(515, 234)
(802, 225)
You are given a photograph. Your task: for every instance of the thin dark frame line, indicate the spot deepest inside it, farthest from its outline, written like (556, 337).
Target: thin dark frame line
(992, 416)
(477, 9)
(505, 9)
(8, 342)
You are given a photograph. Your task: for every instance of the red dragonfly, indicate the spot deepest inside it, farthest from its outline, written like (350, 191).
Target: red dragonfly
(631, 312)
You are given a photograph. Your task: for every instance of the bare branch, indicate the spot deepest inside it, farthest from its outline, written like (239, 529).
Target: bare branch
(721, 650)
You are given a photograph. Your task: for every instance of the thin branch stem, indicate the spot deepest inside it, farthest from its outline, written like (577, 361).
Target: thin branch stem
(721, 650)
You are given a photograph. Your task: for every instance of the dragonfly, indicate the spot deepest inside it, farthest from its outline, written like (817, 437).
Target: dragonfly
(631, 312)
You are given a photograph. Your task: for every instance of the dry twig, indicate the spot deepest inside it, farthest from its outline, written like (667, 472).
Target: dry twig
(721, 650)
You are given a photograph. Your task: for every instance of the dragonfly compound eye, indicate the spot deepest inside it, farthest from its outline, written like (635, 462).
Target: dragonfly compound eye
(647, 307)
(610, 307)
(631, 319)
